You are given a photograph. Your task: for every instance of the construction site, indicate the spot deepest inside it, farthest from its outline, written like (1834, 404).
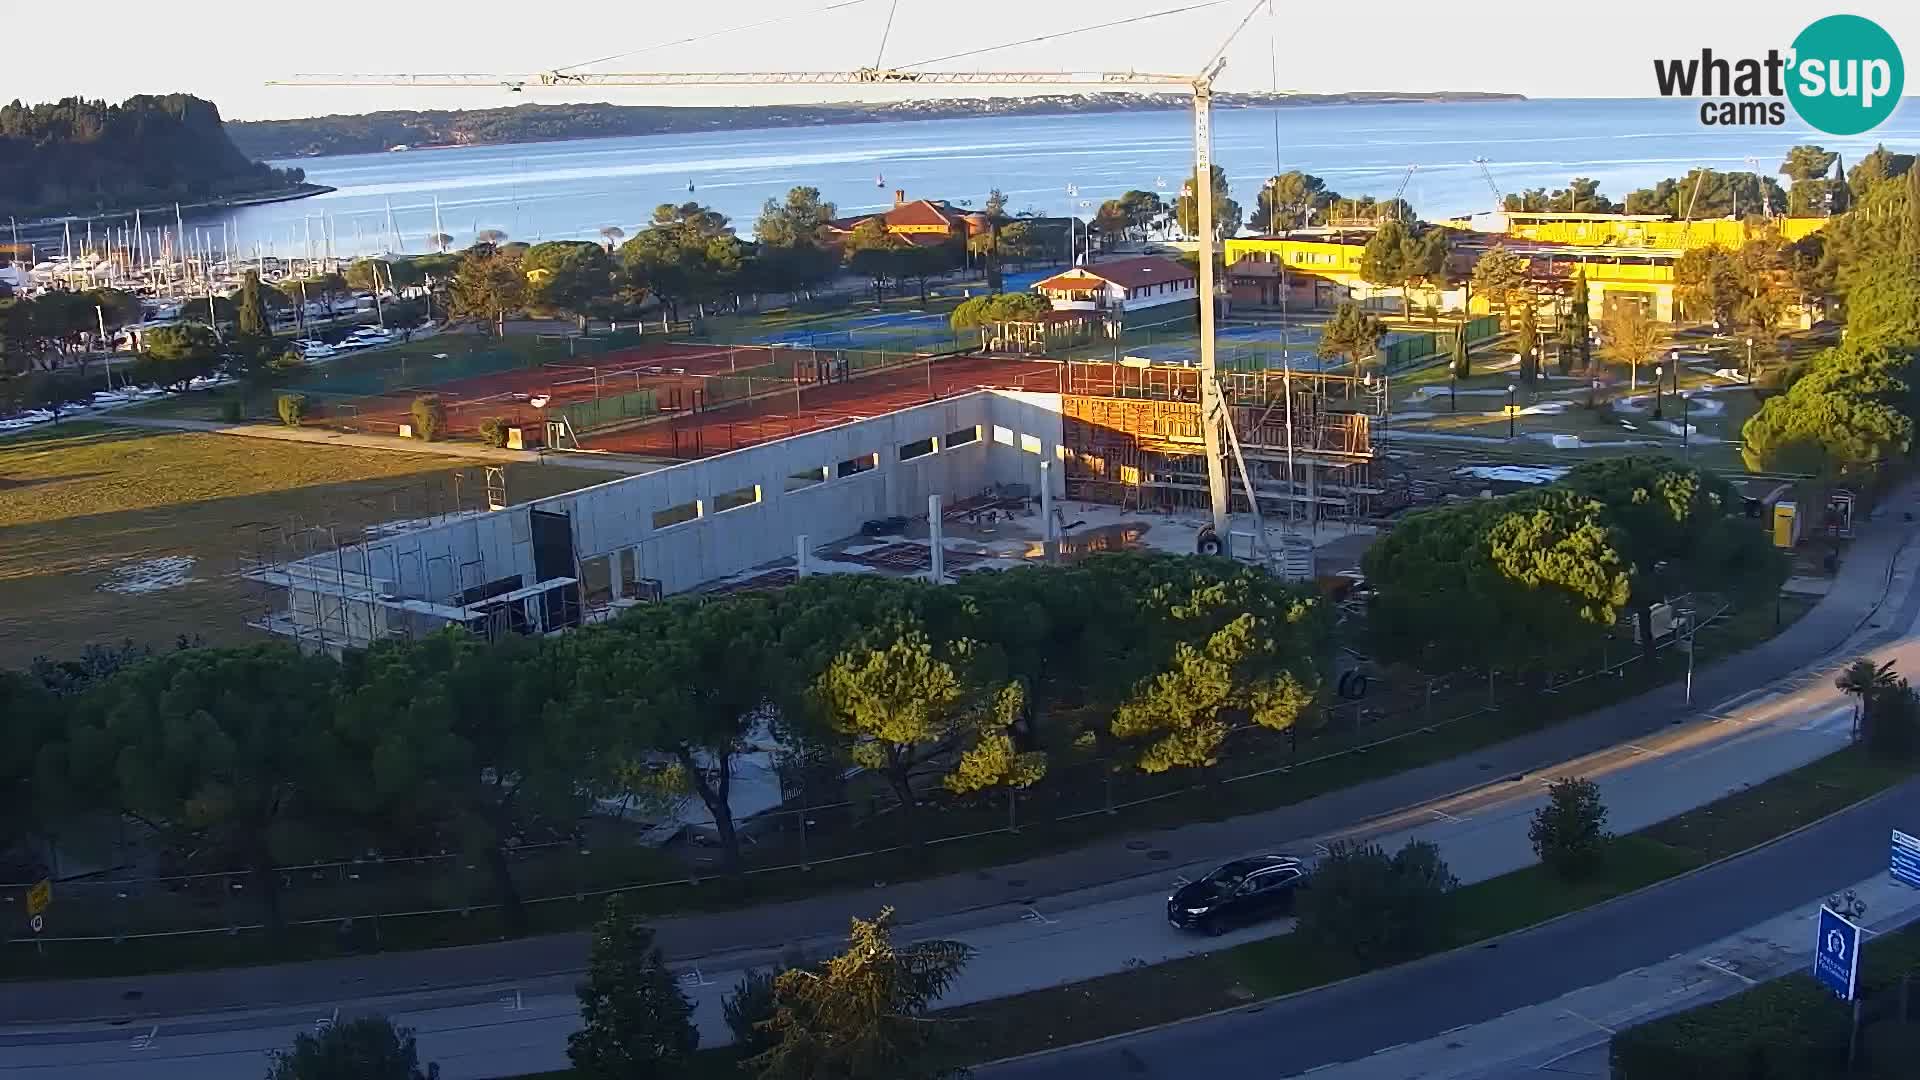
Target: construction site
(932, 467)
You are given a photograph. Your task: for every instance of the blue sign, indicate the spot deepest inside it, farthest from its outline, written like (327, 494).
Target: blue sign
(1836, 954)
(1905, 867)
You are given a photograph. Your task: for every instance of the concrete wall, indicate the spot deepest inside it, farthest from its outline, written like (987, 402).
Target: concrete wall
(1016, 432)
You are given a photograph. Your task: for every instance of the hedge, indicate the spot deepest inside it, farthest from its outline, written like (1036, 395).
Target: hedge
(1791, 1028)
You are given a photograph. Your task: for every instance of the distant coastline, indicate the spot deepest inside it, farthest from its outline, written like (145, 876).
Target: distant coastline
(379, 132)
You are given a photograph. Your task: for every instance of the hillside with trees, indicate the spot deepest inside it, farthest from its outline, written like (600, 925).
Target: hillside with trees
(77, 156)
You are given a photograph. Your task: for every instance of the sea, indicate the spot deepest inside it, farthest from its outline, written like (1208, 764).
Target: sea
(1052, 165)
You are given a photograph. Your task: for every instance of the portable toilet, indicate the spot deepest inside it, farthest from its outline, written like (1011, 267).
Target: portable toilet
(1786, 525)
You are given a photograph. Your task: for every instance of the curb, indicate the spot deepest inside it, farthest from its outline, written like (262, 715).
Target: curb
(1412, 965)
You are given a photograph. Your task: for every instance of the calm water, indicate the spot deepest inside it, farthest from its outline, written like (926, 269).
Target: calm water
(550, 191)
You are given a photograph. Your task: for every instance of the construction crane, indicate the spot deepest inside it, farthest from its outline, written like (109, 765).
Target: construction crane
(1498, 199)
(1199, 85)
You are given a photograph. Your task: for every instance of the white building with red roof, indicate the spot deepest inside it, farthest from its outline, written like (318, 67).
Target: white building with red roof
(1140, 289)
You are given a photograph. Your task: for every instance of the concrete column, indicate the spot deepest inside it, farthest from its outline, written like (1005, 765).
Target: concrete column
(939, 571)
(800, 554)
(1046, 500)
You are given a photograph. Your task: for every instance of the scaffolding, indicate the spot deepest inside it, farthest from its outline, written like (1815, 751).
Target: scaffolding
(1133, 437)
(330, 586)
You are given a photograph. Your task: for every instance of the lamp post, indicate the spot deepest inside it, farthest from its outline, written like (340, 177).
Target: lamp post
(1686, 429)
(1510, 392)
(1453, 382)
(1749, 361)
(1657, 384)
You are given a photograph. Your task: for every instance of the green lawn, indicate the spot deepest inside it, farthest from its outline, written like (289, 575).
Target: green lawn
(87, 508)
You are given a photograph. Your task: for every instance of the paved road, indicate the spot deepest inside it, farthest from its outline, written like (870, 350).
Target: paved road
(1359, 1018)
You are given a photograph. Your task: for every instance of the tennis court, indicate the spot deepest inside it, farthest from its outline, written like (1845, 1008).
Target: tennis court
(629, 384)
(913, 330)
(1238, 346)
(816, 405)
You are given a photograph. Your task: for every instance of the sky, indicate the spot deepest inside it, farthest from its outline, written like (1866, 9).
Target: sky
(1516, 46)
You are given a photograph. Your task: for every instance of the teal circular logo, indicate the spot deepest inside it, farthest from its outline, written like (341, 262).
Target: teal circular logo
(1846, 75)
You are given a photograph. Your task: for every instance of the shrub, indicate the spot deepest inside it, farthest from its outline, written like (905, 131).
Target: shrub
(1890, 721)
(231, 410)
(493, 431)
(1569, 834)
(749, 1006)
(429, 417)
(291, 407)
(1377, 908)
(369, 1048)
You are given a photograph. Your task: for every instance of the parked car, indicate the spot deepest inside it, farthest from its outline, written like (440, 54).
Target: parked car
(1239, 892)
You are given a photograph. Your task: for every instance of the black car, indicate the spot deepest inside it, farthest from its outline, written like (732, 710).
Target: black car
(1241, 891)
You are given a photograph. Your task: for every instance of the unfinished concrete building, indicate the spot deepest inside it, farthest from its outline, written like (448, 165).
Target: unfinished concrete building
(1132, 437)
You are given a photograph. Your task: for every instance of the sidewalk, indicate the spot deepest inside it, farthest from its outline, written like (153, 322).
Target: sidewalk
(1568, 1036)
(620, 463)
(1109, 869)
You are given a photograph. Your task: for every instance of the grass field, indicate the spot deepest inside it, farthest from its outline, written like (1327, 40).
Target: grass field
(113, 533)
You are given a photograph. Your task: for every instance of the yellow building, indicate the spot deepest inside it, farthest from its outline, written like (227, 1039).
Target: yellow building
(1626, 259)
(1632, 230)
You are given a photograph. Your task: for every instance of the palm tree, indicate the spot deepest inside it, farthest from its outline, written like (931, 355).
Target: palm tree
(1862, 680)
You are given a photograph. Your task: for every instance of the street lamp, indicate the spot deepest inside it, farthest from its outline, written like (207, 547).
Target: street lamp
(1749, 361)
(1510, 392)
(1657, 384)
(1686, 429)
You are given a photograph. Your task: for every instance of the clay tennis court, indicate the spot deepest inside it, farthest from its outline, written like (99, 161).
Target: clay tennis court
(746, 423)
(678, 373)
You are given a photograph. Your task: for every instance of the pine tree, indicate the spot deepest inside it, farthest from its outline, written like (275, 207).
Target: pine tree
(635, 1022)
(1578, 334)
(863, 1014)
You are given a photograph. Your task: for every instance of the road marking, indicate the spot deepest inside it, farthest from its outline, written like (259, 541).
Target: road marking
(1587, 1020)
(1557, 1059)
(141, 1042)
(693, 978)
(1442, 815)
(1716, 964)
(1456, 1027)
(1033, 915)
(1322, 850)
(1638, 749)
(321, 1024)
(1389, 1049)
(1317, 1068)
(513, 1002)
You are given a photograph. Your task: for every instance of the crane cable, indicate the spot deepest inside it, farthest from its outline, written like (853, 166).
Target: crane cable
(1068, 33)
(822, 10)
(886, 33)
